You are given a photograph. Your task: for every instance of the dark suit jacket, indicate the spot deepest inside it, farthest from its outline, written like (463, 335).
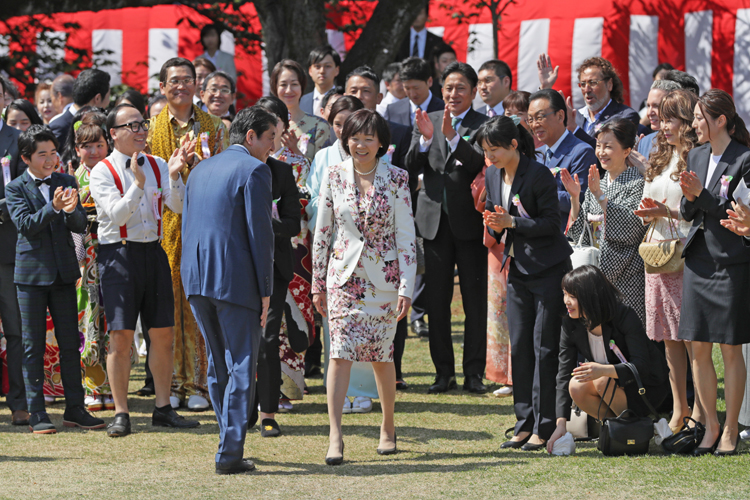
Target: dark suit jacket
(626, 329)
(576, 157)
(613, 110)
(306, 103)
(60, 126)
(400, 111)
(227, 234)
(538, 243)
(431, 43)
(287, 226)
(8, 237)
(449, 172)
(709, 208)
(45, 246)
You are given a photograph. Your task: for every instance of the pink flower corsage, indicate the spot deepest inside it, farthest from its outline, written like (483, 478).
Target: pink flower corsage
(725, 180)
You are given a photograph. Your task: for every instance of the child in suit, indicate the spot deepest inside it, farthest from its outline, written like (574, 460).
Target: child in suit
(45, 208)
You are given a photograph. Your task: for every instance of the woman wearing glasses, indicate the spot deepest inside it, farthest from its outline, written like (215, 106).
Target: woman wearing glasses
(308, 134)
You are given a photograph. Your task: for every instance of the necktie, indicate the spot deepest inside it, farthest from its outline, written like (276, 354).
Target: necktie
(46, 181)
(140, 162)
(455, 121)
(491, 112)
(548, 157)
(415, 47)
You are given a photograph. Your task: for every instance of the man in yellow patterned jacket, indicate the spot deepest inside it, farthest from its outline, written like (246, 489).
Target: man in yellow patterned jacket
(178, 122)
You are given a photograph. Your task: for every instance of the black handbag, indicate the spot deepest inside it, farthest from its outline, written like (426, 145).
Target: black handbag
(627, 434)
(686, 439)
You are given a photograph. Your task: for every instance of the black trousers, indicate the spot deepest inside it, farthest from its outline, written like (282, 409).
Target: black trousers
(33, 301)
(269, 364)
(442, 255)
(418, 299)
(399, 343)
(535, 309)
(10, 315)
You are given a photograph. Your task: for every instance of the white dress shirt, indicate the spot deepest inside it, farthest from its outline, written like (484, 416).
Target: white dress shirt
(44, 189)
(413, 107)
(424, 144)
(387, 99)
(317, 99)
(135, 208)
(421, 41)
(498, 109)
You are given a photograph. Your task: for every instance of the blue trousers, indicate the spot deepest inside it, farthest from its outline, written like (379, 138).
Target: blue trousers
(232, 334)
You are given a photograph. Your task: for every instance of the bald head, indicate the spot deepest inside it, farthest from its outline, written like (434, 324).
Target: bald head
(62, 92)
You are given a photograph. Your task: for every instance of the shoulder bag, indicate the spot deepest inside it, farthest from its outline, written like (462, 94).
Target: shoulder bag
(627, 434)
(662, 257)
(686, 439)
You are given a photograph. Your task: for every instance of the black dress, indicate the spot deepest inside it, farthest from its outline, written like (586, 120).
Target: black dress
(716, 281)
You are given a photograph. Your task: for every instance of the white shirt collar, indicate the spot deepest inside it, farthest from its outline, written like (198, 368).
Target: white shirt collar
(556, 145)
(120, 157)
(585, 112)
(462, 115)
(35, 177)
(423, 106)
(499, 109)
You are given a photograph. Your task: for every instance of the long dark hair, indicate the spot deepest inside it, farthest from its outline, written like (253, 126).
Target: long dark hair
(715, 103)
(597, 297)
(501, 130)
(25, 107)
(677, 104)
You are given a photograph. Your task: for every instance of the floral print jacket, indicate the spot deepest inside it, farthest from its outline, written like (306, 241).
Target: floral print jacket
(381, 237)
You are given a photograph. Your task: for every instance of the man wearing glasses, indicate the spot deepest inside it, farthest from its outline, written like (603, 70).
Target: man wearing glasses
(131, 190)
(179, 122)
(602, 92)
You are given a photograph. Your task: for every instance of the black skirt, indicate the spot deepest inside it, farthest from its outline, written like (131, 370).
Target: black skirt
(715, 299)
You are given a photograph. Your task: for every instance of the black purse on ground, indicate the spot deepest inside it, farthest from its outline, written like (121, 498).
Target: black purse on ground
(627, 434)
(686, 439)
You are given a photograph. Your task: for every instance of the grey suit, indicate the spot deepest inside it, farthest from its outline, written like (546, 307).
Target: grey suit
(400, 111)
(9, 312)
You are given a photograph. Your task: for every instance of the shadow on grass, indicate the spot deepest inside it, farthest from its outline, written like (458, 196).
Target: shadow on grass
(412, 434)
(4, 458)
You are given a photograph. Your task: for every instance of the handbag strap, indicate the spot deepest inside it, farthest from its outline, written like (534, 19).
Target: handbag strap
(650, 231)
(588, 231)
(641, 389)
(599, 409)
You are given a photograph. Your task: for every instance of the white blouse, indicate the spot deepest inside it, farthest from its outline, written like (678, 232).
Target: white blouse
(661, 188)
(596, 343)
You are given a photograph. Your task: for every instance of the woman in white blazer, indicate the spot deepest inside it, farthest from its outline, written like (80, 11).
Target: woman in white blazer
(364, 265)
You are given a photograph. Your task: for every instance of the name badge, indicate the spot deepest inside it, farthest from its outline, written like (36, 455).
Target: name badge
(5, 161)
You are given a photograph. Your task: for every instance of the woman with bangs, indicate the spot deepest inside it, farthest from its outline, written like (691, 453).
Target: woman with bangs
(660, 206)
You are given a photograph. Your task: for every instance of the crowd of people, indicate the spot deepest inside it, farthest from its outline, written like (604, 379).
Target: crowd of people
(318, 219)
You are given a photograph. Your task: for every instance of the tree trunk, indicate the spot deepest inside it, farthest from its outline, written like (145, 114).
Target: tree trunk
(382, 36)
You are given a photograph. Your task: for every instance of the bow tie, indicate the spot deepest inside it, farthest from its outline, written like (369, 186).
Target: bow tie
(140, 162)
(46, 181)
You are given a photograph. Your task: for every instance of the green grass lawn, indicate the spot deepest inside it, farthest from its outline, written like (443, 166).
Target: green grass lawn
(449, 448)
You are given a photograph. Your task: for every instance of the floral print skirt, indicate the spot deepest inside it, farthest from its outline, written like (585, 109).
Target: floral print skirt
(362, 320)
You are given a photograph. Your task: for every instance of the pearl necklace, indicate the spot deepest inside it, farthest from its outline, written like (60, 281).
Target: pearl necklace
(365, 173)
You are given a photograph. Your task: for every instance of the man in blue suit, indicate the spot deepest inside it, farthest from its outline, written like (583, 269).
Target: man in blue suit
(323, 66)
(548, 121)
(227, 272)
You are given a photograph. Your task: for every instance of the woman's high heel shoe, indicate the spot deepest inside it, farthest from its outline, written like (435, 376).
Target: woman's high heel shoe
(336, 460)
(722, 453)
(389, 451)
(705, 451)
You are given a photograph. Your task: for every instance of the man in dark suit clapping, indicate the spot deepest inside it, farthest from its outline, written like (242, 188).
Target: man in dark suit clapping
(444, 148)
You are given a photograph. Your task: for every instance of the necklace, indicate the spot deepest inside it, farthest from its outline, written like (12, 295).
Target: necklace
(368, 172)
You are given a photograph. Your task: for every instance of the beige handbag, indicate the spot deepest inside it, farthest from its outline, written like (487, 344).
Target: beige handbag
(662, 257)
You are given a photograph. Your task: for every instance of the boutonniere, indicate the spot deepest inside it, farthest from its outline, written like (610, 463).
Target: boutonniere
(204, 145)
(725, 180)
(522, 211)
(304, 141)
(613, 347)
(466, 137)
(389, 153)
(555, 171)
(5, 161)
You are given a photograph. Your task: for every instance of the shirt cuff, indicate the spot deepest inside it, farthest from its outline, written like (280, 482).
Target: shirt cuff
(453, 143)
(424, 144)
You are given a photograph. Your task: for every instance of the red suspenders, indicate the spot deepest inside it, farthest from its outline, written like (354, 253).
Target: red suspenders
(118, 183)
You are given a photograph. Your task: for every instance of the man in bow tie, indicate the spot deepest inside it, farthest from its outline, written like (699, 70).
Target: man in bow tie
(444, 147)
(45, 208)
(130, 190)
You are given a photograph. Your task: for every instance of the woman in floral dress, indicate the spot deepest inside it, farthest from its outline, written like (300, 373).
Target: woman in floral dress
(364, 267)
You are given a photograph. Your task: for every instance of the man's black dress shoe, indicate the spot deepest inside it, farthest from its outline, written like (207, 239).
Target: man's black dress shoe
(39, 423)
(420, 328)
(240, 467)
(120, 426)
(442, 384)
(533, 447)
(515, 444)
(473, 383)
(172, 419)
(77, 416)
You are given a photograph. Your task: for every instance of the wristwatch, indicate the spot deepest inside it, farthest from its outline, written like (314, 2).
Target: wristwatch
(603, 197)
(512, 222)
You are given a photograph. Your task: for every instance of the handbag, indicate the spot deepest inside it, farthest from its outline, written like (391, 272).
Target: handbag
(582, 426)
(687, 439)
(585, 254)
(662, 257)
(626, 434)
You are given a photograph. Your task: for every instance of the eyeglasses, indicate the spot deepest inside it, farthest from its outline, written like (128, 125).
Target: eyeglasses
(174, 82)
(215, 90)
(591, 83)
(135, 126)
(538, 118)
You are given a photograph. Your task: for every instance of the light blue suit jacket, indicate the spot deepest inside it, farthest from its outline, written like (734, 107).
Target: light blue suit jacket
(227, 236)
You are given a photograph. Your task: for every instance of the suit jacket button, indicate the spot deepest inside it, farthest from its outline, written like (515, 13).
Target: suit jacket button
(361, 238)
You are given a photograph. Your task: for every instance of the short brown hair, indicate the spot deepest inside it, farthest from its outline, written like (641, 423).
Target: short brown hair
(202, 62)
(291, 65)
(518, 100)
(369, 122)
(608, 72)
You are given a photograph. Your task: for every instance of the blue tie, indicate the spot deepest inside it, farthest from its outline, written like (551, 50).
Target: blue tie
(455, 121)
(548, 157)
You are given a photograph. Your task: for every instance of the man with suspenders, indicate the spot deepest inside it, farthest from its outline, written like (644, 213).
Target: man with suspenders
(130, 189)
